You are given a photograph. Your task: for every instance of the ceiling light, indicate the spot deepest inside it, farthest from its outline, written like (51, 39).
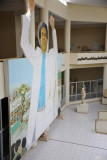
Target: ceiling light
(64, 2)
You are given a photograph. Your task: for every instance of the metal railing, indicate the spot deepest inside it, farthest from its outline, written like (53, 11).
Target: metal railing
(94, 89)
(63, 95)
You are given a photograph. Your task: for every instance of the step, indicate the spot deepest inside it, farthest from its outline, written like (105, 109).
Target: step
(102, 114)
(101, 126)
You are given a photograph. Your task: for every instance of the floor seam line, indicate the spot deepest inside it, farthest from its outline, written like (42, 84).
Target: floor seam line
(77, 144)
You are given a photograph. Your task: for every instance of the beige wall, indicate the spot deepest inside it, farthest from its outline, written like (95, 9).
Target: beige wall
(85, 74)
(60, 38)
(7, 35)
(87, 36)
(87, 13)
(81, 37)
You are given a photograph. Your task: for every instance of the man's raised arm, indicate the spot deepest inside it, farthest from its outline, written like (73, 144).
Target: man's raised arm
(28, 49)
(54, 38)
(25, 43)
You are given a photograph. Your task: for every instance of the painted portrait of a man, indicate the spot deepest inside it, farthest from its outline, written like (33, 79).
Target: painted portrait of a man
(43, 105)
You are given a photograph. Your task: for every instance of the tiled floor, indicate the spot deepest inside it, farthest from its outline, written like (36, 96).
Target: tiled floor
(73, 138)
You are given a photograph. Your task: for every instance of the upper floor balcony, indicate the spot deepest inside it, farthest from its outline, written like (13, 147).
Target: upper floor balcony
(88, 58)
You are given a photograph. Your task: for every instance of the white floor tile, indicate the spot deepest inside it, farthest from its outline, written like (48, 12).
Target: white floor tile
(79, 128)
(73, 138)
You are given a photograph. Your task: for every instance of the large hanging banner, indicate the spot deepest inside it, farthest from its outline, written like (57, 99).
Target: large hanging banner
(19, 76)
(33, 88)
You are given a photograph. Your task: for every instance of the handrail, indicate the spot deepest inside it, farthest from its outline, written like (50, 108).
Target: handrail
(88, 52)
(87, 81)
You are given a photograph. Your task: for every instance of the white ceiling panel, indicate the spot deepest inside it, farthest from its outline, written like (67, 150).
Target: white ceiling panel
(102, 3)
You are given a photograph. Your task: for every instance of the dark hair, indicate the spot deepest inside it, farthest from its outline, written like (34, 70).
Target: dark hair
(12, 151)
(18, 142)
(24, 142)
(41, 25)
(18, 157)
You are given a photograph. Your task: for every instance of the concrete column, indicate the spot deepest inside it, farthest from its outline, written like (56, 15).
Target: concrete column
(32, 29)
(67, 50)
(67, 35)
(44, 15)
(44, 18)
(105, 77)
(18, 30)
(66, 79)
(106, 39)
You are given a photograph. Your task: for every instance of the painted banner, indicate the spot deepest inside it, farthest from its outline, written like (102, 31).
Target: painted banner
(34, 88)
(20, 88)
(20, 73)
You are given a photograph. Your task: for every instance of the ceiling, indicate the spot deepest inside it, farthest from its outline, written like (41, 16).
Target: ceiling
(102, 3)
(59, 21)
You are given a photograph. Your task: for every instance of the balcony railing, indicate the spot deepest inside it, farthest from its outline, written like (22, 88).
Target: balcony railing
(94, 89)
(88, 58)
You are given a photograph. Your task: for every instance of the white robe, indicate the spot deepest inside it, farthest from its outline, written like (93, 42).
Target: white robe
(39, 121)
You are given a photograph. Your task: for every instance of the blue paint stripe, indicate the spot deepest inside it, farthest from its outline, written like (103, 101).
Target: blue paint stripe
(41, 102)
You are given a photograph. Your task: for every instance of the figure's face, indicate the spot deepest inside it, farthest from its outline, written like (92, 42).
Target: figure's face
(43, 39)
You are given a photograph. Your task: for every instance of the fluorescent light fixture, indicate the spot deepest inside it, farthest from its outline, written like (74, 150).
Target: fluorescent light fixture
(64, 2)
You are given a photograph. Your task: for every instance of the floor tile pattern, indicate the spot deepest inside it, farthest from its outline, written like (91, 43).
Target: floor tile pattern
(73, 138)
